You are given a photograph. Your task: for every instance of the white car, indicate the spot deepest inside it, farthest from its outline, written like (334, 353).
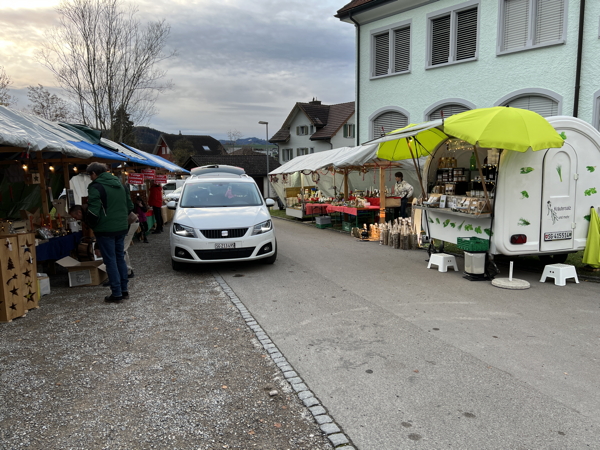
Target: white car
(174, 195)
(221, 217)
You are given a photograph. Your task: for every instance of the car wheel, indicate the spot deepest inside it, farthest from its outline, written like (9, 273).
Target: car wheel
(176, 265)
(271, 259)
(558, 258)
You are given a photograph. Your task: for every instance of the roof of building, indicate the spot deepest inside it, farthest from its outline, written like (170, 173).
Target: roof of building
(327, 119)
(353, 4)
(254, 165)
(202, 144)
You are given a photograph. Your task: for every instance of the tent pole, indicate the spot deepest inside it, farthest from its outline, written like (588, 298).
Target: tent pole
(416, 169)
(381, 194)
(485, 192)
(346, 184)
(43, 190)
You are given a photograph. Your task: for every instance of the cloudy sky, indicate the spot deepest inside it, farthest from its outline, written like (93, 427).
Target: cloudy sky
(238, 61)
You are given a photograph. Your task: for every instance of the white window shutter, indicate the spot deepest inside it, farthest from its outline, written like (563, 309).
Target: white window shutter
(440, 40)
(516, 24)
(388, 121)
(549, 21)
(382, 54)
(466, 34)
(401, 50)
(449, 110)
(544, 106)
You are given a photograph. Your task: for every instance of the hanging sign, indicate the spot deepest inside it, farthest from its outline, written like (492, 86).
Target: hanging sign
(148, 174)
(160, 179)
(136, 178)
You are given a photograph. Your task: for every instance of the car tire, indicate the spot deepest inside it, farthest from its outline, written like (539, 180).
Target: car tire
(558, 258)
(271, 259)
(176, 265)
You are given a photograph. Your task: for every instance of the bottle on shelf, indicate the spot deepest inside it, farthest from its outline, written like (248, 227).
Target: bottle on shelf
(473, 162)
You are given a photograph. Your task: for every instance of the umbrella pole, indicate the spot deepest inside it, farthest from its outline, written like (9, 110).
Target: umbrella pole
(485, 192)
(346, 184)
(416, 169)
(381, 194)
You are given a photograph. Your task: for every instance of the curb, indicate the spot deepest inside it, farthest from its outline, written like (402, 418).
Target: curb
(334, 433)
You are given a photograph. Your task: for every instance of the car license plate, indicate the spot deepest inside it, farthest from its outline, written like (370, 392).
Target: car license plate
(558, 235)
(226, 245)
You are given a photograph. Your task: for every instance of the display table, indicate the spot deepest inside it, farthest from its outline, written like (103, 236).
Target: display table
(447, 225)
(354, 216)
(58, 247)
(316, 208)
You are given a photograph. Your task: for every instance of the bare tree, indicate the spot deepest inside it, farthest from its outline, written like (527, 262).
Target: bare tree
(5, 98)
(105, 60)
(232, 137)
(49, 106)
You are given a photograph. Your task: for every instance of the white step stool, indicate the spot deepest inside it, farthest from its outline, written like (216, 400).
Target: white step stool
(443, 261)
(560, 273)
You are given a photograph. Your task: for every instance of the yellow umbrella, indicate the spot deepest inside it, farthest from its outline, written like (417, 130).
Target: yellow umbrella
(503, 127)
(412, 141)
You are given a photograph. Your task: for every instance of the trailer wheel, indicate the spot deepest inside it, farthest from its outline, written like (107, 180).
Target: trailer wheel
(557, 258)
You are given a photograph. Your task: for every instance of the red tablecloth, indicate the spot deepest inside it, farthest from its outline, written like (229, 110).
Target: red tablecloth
(316, 208)
(348, 210)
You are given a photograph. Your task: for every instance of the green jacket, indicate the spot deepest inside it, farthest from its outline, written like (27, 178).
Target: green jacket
(112, 221)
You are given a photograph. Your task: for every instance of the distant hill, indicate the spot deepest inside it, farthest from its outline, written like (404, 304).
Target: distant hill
(146, 135)
(244, 141)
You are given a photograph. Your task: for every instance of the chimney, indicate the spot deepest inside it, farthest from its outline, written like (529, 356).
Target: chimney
(314, 102)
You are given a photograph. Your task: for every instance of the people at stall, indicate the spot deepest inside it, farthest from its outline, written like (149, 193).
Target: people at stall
(156, 201)
(140, 209)
(403, 190)
(109, 205)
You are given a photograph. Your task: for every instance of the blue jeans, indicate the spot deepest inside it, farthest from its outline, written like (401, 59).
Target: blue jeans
(113, 256)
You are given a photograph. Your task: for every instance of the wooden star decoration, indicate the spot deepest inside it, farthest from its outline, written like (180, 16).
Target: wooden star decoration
(29, 284)
(14, 277)
(27, 273)
(13, 306)
(30, 260)
(11, 265)
(26, 249)
(29, 297)
(8, 245)
(28, 244)
(14, 291)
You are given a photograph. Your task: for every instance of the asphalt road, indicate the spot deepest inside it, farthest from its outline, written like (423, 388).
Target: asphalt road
(406, 357)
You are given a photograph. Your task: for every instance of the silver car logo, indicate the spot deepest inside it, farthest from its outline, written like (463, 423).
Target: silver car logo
(224, 233)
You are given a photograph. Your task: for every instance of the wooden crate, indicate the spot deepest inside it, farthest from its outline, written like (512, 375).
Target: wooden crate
(18, 275)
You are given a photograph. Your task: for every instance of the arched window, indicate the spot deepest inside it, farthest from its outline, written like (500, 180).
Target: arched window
(596, 112)
(544, 106)
(449, 110)
(388, 121)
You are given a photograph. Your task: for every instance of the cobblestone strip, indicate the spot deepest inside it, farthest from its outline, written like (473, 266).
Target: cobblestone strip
(328, 426)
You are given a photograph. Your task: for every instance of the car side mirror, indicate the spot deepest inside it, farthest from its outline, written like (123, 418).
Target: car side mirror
(270, 202)
(172, 204)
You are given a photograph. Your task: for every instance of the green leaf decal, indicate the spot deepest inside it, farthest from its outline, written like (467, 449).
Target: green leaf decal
(559, 170)
(488, 232)
(588, 217)
(446, 222)
(590, 168)
(563, 135)
(461, 225)
(430, 220)
(590, 191)
(453, 225)
(478, 230)
(437, 220)
(524, 194)
(468, 227)
(523, 222)
(526, 170)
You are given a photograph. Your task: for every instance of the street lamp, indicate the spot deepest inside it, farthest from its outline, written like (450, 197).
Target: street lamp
(268, 182)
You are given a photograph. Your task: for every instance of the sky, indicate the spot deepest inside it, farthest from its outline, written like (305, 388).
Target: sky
(238, 61)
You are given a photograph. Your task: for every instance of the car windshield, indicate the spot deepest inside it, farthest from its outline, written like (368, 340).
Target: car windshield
(218, 194)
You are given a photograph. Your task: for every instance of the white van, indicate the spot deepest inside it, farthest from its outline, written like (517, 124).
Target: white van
(171, 185)
(221, 217)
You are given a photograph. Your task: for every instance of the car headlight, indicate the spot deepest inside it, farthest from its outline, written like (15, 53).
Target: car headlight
(182, 230)
(262, 227)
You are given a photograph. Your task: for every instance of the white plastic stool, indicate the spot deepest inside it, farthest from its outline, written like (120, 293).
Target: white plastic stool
(443, 261)
(560, 273)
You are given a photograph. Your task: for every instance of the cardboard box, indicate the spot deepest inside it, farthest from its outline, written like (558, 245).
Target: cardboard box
(43, 284)
(84, 273)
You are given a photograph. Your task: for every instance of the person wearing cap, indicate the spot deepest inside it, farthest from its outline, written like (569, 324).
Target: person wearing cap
(403, 190)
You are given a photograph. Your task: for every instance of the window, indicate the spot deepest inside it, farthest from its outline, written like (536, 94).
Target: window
(302, 130)
(287, 154)
(388, 121)
(453, 35)
(349, 130)
(312, 129)
(448, 110)
(544, 106)
(391, 50)
(301, 151)
(526, 24)
(312, 150)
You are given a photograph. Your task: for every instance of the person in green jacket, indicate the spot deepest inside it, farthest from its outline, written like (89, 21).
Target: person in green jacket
(109, 205)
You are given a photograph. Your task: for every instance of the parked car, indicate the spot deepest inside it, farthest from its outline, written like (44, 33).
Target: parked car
(221, 217)
(174, 196)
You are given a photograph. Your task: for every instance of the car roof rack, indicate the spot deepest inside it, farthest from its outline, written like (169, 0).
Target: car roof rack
(215, 170)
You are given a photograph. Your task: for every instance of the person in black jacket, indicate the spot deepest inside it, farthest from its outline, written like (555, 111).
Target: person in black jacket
(109, 205)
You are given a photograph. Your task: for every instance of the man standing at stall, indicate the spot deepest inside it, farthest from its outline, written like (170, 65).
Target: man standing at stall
(109, 205)
(155, 201)
(403, 190)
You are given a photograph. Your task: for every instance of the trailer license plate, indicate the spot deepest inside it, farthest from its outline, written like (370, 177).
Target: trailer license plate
(227, 245)
(558, 235)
